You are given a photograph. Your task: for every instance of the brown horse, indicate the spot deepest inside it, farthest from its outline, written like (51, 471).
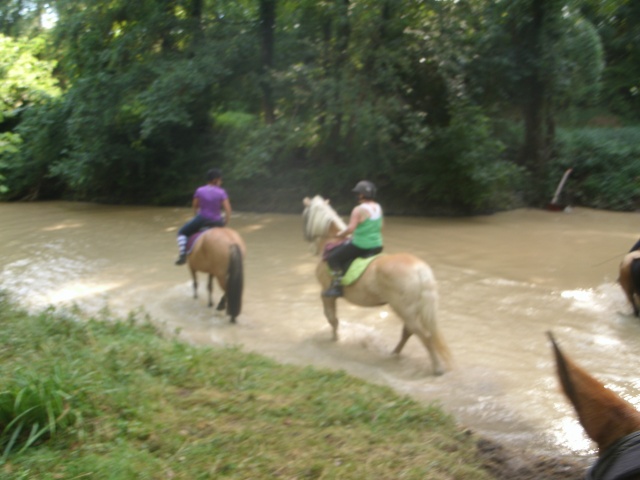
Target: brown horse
(220, 252)
(629, 279)
(402, 281)
(610, 421)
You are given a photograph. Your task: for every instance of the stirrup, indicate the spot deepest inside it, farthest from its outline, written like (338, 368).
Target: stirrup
(182, 259)
(334, 290)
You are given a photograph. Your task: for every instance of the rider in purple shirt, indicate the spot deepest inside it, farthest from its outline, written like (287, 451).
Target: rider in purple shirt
(208, 203)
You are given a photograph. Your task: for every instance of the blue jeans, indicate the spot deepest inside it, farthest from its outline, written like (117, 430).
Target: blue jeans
(196, 224)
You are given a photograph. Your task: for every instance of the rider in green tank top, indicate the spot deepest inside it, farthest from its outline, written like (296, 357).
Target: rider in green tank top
(368, 234)
(365, 226)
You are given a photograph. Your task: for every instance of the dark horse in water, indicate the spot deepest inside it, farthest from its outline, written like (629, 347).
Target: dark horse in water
(630, 279)
(220, 252)
(610, 421)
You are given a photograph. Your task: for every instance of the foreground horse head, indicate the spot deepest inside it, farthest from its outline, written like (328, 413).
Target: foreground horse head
(220, 252)
(610, 421)
(629, 279)
(402, 281)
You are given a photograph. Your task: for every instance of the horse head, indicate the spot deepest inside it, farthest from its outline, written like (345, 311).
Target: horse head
(610, 421)
(318, 219)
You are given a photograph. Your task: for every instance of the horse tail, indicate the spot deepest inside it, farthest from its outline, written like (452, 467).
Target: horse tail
(428, 313)
(235, 282)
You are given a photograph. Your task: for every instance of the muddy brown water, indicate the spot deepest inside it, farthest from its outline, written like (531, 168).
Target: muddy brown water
(504, 280)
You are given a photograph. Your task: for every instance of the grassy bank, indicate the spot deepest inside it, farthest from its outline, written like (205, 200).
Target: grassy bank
(115, 399)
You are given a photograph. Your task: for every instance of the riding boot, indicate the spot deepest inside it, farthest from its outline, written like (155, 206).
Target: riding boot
(335, 289)
(182, 247)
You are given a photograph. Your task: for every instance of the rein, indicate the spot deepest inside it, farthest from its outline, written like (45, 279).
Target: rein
(620, 461)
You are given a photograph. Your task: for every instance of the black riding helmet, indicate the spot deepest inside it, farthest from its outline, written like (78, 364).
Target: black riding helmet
(214, 174)
(366, 189)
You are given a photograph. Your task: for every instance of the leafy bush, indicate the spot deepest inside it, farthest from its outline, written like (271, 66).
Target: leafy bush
(462, 169)
(26, 83)
(606, 166)
(32, 407)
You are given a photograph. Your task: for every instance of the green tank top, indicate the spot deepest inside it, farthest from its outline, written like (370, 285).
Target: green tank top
(368, 234)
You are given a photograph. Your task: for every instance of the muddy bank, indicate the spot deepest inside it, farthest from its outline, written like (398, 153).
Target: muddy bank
(505, 463)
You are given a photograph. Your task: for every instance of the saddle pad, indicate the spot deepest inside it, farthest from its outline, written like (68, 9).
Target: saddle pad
(192, 240)
(356, 269)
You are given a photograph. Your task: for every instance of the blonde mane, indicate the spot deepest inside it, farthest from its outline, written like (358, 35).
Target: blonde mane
(318, 216)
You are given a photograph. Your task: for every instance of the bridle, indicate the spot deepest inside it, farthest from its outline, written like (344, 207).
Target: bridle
(621, 461)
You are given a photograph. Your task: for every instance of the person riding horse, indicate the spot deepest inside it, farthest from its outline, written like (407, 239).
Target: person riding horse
(208, 202)
(365, 225)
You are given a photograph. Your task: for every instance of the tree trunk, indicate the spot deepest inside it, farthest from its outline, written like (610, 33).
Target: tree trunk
(343, 33)
(267, 27)
(535, 151)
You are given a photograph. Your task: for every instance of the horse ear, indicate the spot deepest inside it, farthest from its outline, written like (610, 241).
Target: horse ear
(604, 415)
(306, 201)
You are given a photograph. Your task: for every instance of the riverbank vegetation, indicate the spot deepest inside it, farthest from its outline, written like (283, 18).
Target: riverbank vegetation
(449, 107)
(111, 398)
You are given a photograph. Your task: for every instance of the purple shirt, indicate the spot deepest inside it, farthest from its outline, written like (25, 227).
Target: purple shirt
(210, 199)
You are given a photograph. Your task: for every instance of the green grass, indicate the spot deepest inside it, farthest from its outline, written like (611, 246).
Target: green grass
(106, 398)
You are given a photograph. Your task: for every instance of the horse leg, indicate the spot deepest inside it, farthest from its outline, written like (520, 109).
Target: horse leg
(631, 296)
(329, 304)
(195, 283)
(413, 324)
(403, 339)
(222, 304)
(210, 290)
(427, 341)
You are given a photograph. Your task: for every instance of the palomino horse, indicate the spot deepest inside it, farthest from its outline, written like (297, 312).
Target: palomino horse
(220, 252)
(401, 280)
(629, 279)
(610, 421)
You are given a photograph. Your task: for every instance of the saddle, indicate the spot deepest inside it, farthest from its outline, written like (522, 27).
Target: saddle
(356, 269)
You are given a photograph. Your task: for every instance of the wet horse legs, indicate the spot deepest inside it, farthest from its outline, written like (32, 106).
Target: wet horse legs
(195, 283)
(329, 304)
(210, 290)
(209, 287)
(427, 342)
(406, 334)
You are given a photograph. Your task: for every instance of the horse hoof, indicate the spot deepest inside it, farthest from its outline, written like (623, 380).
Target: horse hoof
(233, 320)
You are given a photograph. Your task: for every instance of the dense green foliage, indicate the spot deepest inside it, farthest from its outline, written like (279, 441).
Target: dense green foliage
(110, 398)
(293, 98)
(606, 170)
